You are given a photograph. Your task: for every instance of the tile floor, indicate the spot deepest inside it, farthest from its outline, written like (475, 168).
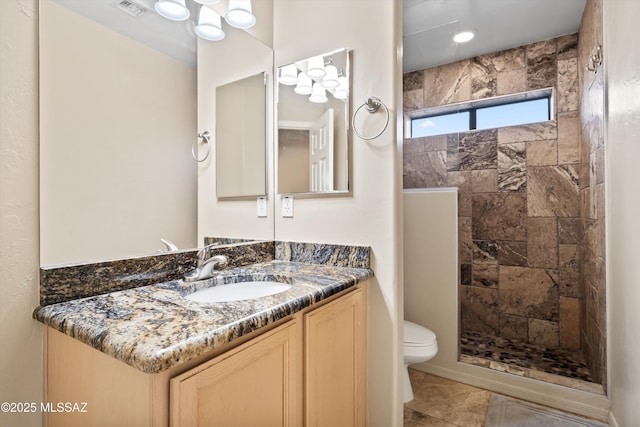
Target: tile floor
(440, 402)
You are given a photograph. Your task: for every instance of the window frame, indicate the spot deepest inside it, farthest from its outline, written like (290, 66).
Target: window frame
(473, 106)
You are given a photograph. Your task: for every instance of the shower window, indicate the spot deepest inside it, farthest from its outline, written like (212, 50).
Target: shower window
(511, 110)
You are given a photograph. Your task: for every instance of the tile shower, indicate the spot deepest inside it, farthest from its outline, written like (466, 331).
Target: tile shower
(528, 244)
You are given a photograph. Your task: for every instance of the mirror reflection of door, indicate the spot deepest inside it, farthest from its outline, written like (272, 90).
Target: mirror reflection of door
(321, 153)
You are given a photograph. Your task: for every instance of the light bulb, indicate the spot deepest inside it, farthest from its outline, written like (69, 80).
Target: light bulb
(464, 36)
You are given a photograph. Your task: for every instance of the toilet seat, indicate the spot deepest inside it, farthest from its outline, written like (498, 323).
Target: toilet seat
(418, 336)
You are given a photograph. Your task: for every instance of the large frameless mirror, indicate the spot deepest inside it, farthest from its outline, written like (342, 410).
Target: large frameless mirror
(313, 125)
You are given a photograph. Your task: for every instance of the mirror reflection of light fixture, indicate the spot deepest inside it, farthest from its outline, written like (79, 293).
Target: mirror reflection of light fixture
(304, 86)
(315, 67)
(207, 1)
(289, 75)
(176, 10)
(209, 25)
(342, 91)
(319, 94)
(239, 14)
(330, 80)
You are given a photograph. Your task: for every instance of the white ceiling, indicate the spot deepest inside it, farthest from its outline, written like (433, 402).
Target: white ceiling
(428, 26)
(499, 24)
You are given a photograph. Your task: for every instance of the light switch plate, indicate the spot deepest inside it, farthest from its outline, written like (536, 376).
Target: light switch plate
(262, 207)
(287, 206)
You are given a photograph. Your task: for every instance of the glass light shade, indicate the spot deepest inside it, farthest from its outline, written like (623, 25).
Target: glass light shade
(209, 25)
(207, 1)
(239, 14)
(319, 94)
(176, 10)
(288, 75)
(342, 91)
(304, 86)
(315, 67)
(330, 80)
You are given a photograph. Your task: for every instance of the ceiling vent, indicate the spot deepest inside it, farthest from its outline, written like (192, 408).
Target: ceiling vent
(132, 7)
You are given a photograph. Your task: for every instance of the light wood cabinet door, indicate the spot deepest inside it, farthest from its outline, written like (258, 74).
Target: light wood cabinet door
(255, 384)
(335, 363)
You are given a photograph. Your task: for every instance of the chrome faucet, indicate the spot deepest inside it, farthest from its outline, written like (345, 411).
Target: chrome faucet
(206, 265)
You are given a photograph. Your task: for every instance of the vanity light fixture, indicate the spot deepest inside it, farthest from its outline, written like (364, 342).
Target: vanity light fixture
(319, 94)
(315, 68)
(464, 36)
(330, 80)
(342, 91)
(207, 1)
(289, 75)
(240, 15)
(209, 25)
(304, 86)
(176, 10)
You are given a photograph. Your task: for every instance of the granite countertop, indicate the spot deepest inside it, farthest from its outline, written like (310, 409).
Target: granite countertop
(153, 328)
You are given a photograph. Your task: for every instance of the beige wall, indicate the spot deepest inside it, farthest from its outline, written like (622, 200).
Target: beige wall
(622, 70)
(20, 335)
(306, 28)
(117, 121)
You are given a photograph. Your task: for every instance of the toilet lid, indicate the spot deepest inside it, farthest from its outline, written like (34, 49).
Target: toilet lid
(416, 335)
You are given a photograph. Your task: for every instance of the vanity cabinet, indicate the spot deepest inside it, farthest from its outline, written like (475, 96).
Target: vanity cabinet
(309, 369)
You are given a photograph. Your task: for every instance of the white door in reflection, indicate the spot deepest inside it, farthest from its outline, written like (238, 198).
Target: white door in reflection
(321, 153)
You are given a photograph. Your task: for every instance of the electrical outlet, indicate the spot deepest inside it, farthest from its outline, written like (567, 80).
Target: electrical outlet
(262, 207)
(287, 206)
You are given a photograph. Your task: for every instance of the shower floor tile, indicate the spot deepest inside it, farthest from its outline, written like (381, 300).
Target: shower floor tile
(557, 366)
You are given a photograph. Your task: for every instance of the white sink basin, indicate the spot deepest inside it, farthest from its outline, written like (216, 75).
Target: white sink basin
(238, 291)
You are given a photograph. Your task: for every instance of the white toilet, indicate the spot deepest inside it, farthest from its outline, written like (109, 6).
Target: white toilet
(420, 345)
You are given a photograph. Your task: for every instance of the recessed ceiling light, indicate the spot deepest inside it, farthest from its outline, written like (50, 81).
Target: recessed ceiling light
(463, 36)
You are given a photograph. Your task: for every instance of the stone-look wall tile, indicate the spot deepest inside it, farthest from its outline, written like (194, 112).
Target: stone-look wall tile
(431, 143)
(485, 251)
(425, 170)
(512, 253)
(465, 244)
(484, 181)
(568, 138)
(569, 271)
(499, 216)
(453, 152)
(485, 275)
(541, 64)
(478, 150)
(568, 46)
(543, 332)
(484, 78)
(479, 309)
(413, 100)
(412, 145)
(462, 180)
(529, 132)
(542, 153)
(412, 80)
(512, 165)
(514, 327)
(542, 242)
(553, 191)
(570, 323)
(465, 275)
(567, 85)
(506, 60)
(529, 292)
(447, 84)
(599, 165)
(569, 230)
(512, 81)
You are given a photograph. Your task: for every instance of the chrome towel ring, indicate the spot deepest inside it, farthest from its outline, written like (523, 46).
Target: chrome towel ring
(206, 137)
(372, 105)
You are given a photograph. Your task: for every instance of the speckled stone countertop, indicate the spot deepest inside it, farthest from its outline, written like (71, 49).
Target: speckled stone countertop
(153, 328)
